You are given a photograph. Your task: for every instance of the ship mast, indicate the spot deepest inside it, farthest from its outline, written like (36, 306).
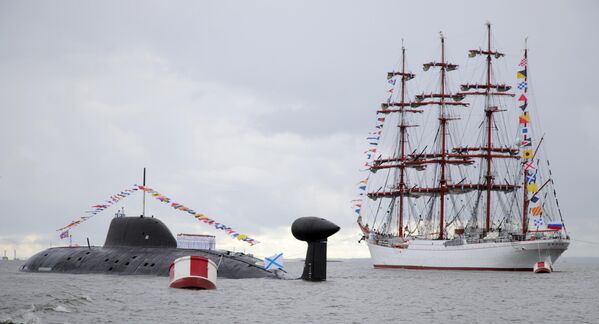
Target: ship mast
(442, 157)
(420, 161)
(524, 169)
(402, 127)
(404, 109)
(489, 117)
(489, 149)
(443, 125)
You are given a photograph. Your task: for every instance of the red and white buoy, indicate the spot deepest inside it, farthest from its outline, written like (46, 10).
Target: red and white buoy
(543, 267)
(192, 272)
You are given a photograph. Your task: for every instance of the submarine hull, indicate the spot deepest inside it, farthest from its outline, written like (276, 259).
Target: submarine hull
(139, 261)
(141, 246)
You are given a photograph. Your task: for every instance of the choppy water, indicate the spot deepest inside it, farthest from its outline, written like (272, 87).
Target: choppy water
(354, 293)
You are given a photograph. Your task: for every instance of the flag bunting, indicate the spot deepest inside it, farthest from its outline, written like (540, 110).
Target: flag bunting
(99, 208)
(524, 120)
(199, 216)
(153, 193)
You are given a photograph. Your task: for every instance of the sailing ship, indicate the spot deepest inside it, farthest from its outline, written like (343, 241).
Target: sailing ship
(458, 180)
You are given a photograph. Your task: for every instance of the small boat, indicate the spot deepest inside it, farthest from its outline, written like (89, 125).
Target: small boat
(192, 272)
(543, 267)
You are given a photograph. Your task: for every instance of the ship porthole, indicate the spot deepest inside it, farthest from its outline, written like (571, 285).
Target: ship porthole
(106, 260)
(151, 265)
(79, 259)
(117, 261)
(69, 258)
(126, 263)
(110, 269)
(145, 264)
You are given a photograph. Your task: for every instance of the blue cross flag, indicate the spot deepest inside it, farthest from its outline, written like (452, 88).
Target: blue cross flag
(539, 222)
(523, 85)
(274, 262)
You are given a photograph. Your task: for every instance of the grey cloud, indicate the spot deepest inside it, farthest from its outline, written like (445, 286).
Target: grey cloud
(253, 111)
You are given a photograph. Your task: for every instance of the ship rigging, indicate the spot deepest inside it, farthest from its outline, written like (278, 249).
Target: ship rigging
(460, 176)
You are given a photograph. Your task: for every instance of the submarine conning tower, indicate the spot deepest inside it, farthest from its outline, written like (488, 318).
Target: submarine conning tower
(139, 232)
(315, 231)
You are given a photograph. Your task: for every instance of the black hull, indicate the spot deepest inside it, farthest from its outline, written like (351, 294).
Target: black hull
(138, 261)
(139, 246)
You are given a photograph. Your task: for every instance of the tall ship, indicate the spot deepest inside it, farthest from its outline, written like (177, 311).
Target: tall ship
(457, 175)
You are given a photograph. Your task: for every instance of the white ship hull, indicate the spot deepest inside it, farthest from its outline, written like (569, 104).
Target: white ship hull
(434, 254)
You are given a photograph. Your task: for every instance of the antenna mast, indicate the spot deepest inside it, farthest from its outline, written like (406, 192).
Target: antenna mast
(143, 212)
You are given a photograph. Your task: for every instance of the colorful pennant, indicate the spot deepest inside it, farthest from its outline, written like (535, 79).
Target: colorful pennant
(523, 62)
(527, 152)
(532, 188)
(64, 234)
(373, 139)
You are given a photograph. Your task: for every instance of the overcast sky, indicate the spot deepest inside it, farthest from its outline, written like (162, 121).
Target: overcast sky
(254, 112)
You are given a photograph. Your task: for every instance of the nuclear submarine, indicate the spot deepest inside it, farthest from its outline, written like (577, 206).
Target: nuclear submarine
(141, 246)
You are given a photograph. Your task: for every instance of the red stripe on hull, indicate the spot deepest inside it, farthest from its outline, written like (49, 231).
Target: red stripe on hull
(193, 282)
(383, 266)
(199, 266)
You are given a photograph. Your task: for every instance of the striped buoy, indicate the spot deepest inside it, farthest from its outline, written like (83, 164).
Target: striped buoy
(543, 266)
(192, 272)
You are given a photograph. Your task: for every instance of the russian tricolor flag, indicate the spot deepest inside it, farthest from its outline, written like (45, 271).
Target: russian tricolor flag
(554, 226)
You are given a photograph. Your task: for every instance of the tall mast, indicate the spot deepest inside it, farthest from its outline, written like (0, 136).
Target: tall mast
(442, 124)
(420, 161)
(402, 127)
(403, 108)
(489, 117)
(460, 155)
(524, 169)
(489, 152)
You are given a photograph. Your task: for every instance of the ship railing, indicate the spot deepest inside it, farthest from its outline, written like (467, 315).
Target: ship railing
(455, 242)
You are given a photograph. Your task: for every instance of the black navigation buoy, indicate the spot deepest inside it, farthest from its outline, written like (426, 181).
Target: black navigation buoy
(315, 231)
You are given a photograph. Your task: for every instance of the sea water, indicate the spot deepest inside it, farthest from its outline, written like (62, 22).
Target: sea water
(353, 293)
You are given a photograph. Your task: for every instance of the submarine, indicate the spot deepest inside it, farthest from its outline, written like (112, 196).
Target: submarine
(142, 246)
